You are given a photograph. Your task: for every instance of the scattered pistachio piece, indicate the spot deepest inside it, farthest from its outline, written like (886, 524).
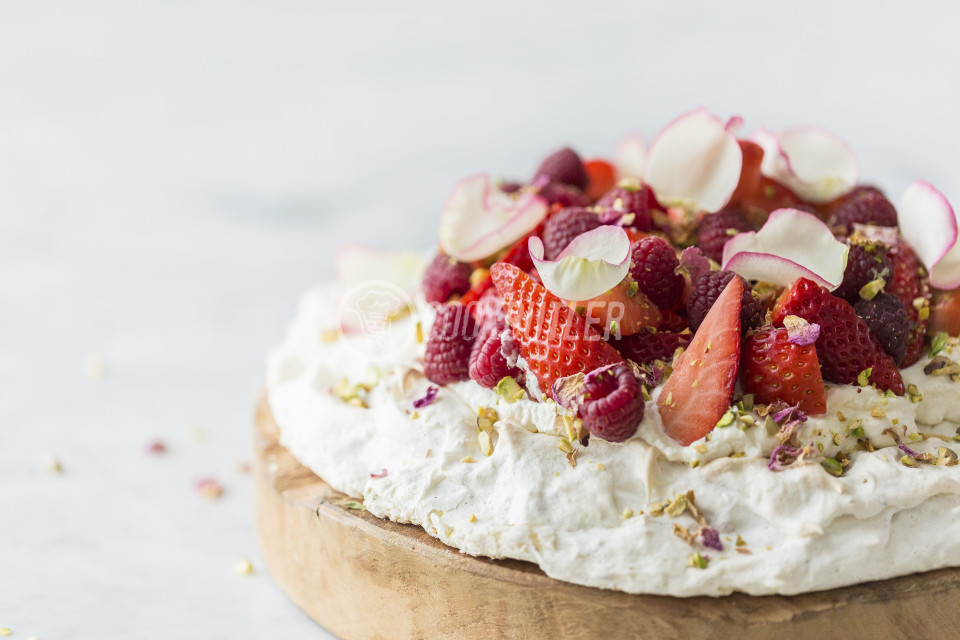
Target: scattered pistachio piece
(726, 420)
(908, 461)
(467, 459)
(877, 412)
(600, 467)
(565, 446)
(677, 507)
(627, 513)
(486, 443)
(510, 390)
(419, 333)
(863, 378)
(870, 290)
(946, 457)
(473, 517)
(698, 561)
(740, 541)
(942, 366)
(832, 466)
(938, 342)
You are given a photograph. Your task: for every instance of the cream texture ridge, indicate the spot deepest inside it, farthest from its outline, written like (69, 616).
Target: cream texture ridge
(501, 479)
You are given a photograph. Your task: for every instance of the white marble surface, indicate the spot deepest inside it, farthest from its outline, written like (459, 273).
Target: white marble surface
(174, 174)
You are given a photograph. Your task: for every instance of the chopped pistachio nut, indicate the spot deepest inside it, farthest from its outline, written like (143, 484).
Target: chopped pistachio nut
(677, 507)
(600, 467)
(938, 342)
(357, 402)
(877, 412)
(414, 415)
(344, 390)
(771, 426)
(486, 443)
(510, 390)
(467, 459)
(329, 335)
(684, 534)
(698, 561)
(908, 461)
(353, 504)
(740, 541)
(837, 439)
(746, 402)
(632, 288)
(748, 420)
(914, 393)
(942, 366)
(946, 457)
(656, 509)
(570, 428)
(627, 513)
(841, 417)
(856, 429)
(485, 418)
(832, 466)
(565, 446)
(870, 290)
(915, 437)
(726, 420)
(702, 448)
(694, 464)
(863, 379)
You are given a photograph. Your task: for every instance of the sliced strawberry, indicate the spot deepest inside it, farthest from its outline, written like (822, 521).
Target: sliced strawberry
(553, 339)
(945, 313)
(623, 305)
(911, 284)
(776, 369)
(750, 175)
(602, 176)
(699, 391)
(846, 346)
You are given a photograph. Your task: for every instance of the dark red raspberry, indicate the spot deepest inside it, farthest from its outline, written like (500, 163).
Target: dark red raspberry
(717, 228)
(488, 365)
(864, 205)
(888, 321)
(653, 265)
(708, 288)
(674, 321)
(646, 346)
(564, 166)
(866, 263)
(638, 201)
(447, 358)
(562, 227)
(611, 403)
(445, 277)
(564, 195)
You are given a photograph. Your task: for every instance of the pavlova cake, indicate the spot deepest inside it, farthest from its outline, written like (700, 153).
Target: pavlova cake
(715, 364)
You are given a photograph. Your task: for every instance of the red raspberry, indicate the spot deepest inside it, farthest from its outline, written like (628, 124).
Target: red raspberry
(865, 264)
(638, 201)
(653, 265)
(564, 166)
(674, 321)
(564, 195)
(611, 403)
(646, 346)
(488, 364)
(565, 225)
(708, 288)
(444, 278)
(888, 321)
(717, 228)
(863, 205)
(846, 346)
(448, 348)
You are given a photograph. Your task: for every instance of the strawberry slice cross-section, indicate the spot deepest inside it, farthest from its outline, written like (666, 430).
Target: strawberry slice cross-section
(553, 339)
(699, 391)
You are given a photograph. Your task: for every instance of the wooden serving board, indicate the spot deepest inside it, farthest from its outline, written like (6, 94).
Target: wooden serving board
(362, 577)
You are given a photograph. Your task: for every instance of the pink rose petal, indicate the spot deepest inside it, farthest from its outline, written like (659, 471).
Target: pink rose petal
(800, 332)
(594, 263)
(695, 162)
(814, 163)
(478, 219)
(776, 253)
(631, 156)
(929, 224)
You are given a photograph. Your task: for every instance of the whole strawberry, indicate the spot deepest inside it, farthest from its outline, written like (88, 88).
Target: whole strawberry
(611, 403)
(653, 266)
(774, 368)
(646, 346)
(717, 228)
(488, 364)
(447, 357)
(445, 278)
(846, 346)
(564, 166)
(562, 227)
(888, 321)
(911, 284)
(708, 288)
(552, 338)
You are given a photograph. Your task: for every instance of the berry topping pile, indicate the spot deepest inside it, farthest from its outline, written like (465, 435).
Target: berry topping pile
(719, 267)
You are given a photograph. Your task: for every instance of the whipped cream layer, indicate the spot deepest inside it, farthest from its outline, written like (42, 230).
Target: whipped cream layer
(800, 529)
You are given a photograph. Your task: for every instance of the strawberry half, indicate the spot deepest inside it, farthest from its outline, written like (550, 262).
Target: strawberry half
(699, 391)
(601, 177)
(846, 346)
(945, 313)
(774, 368)
(626, 306)
(553, 339)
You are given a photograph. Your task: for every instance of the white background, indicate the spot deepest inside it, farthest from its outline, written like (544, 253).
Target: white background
(174, 174)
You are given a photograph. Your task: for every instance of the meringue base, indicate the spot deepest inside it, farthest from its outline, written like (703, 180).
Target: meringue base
(363, 577)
